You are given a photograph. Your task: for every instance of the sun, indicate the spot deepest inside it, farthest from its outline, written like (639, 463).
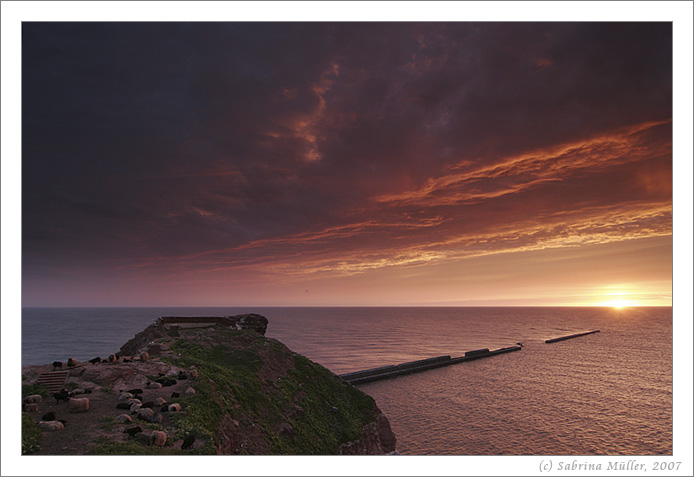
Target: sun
(618, 297)
(618, 304)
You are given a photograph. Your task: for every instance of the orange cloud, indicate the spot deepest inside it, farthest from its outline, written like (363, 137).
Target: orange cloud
(431, 224)
(338, 252)
(304, 127)
(529, 170)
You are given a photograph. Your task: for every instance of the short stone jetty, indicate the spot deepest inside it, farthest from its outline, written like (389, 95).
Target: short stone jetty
(568, 337)
(385, 372)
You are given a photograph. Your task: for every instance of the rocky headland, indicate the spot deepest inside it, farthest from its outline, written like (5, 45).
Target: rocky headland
(199, 385)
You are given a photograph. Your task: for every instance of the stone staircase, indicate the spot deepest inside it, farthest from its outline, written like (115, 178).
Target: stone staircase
(53, 380)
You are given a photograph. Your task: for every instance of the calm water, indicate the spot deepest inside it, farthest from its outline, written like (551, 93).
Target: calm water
(606, 393)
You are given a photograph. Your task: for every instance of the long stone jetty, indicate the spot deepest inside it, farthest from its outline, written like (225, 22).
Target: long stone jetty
(568, 337)
(385, 372)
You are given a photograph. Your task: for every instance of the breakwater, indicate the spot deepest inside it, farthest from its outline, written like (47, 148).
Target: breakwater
(568, 337)
(391, 371)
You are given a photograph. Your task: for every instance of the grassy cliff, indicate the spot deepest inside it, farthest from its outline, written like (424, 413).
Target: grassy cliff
(239, 393)
(255, 396)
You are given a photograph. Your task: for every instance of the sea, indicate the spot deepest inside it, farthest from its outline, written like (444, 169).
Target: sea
(607, 393)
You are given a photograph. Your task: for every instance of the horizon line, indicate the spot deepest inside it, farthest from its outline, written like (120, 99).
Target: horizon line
(347, 306)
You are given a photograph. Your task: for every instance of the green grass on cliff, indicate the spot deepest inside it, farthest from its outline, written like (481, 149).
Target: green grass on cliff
(31, 435)
(334, 412)
(132, 447)
(307, 410)
(29, 389)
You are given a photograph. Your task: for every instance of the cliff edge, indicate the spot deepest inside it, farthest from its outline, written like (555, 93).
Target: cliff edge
(214, 386)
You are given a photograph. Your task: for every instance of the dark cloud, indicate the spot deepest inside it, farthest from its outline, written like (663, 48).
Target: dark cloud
(172, 140)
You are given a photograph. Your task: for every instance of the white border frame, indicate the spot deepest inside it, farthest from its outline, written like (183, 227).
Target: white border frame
(13, 13)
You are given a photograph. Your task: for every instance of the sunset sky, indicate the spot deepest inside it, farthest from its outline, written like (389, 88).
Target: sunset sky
(214, 164)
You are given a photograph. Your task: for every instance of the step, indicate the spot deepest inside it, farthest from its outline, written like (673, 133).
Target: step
(53, 380)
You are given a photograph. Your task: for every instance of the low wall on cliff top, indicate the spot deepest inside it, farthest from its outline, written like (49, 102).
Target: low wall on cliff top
(165, 325)
(197, 320)
(248, 321)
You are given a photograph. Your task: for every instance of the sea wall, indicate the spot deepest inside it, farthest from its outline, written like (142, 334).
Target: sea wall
(392, 371)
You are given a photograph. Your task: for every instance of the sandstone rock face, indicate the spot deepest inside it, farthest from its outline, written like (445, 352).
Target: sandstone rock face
(108, 375)
(377, 438)
(75, 372)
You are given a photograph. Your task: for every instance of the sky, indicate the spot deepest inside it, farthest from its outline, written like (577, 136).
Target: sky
(347, 164)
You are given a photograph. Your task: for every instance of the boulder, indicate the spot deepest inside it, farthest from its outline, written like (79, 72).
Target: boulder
(159, 402)
(78, 404)
(123, 418)
(76, 372)
(167, 381)
(154, 349)
(115, 375)
(251, 321)
(157, 438)
(286, 429)
(156, 418)
(377, 438)
(145, 413)
(51, 426)
(188, 441)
